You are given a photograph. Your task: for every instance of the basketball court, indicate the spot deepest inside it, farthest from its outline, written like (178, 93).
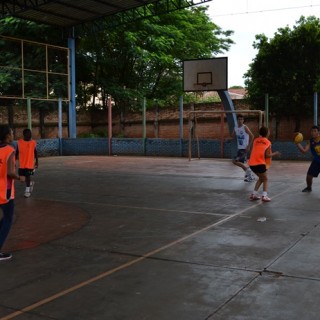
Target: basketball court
(161, 239)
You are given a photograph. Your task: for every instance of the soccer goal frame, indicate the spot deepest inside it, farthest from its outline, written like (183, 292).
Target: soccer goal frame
(192, 119)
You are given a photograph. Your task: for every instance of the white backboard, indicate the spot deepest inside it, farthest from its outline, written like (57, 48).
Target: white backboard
(205, 74)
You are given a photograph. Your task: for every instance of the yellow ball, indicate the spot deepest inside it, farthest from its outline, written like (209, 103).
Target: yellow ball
(298, 137)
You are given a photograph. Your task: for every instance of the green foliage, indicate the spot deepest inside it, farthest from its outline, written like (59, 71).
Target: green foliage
(145, 58)
(287, 67)
(98, 134)
(23, 65)
(199, 97)
(129, 62)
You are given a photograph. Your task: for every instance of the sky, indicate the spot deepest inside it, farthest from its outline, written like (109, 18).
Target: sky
(248, 18)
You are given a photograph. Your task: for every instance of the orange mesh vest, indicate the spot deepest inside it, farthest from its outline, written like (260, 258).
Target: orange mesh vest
(259, 147)
(5, 153)
(26, 153)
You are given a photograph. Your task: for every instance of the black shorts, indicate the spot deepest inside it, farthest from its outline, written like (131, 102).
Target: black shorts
(26, 172)
(314, 169)
(260, 168)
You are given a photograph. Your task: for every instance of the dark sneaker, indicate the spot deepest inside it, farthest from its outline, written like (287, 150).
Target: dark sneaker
(5, 256)
(307, 189)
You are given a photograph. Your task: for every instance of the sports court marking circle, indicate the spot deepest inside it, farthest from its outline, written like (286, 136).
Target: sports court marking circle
(40, 221)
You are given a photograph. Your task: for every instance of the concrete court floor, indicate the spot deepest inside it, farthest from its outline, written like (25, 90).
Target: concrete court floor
(162, 239)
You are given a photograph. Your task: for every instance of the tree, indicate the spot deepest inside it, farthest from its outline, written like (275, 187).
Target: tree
(287, 67)
(145, 58)
(33, 57)
(128, 62)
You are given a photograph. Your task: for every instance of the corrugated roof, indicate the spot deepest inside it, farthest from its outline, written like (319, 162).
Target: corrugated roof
(67, 13)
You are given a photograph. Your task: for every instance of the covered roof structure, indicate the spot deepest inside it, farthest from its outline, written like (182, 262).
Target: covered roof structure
(69, 13)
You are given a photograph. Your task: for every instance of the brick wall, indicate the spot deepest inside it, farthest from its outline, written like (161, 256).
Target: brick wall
(160, 124)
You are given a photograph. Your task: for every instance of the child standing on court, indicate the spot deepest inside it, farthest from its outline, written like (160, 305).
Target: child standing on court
(28, 159)
(259, 163)
(244, 141)
(7, 176)
(314, 146)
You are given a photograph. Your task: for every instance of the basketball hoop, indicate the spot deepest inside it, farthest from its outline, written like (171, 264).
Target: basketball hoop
(203, 86)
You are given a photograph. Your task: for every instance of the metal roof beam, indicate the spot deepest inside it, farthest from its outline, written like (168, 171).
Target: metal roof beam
(64, 13)
(149, 10)
(14, 6)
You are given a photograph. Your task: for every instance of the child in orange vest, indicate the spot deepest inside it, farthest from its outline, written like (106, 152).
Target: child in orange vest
(7, 176)
(28, 159)
(259, 163)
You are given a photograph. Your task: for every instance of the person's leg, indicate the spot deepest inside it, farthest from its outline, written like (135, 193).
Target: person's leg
(28, 181)
(255, 194)
(313, 171)
(240, 164)
(239, 160)
(309, 180)
(6, 221)
(264, 178)
(27, 192)
(258, 184)
(261, 173)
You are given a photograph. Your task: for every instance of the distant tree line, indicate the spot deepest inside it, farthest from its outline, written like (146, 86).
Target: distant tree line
(287, 68)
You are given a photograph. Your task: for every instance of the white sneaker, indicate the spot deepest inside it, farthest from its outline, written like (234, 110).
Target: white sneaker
(27, 194)
(265, 199)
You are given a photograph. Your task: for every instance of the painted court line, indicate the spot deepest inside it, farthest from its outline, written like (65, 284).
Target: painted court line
(141, 208)
(126, 265)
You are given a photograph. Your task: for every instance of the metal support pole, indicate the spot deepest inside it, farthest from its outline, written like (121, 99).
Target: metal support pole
(222, 135)
(181, 124)
(29, 113)
(60, 125)
(315, 108)
(72, 102)
(60, 118)
(266, 110)
(144, 124)
(109, 103)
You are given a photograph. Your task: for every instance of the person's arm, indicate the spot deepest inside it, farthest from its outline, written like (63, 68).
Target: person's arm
(270, 154)
(11, 168)
(36, 157)
(302, 148)
(251, 138)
